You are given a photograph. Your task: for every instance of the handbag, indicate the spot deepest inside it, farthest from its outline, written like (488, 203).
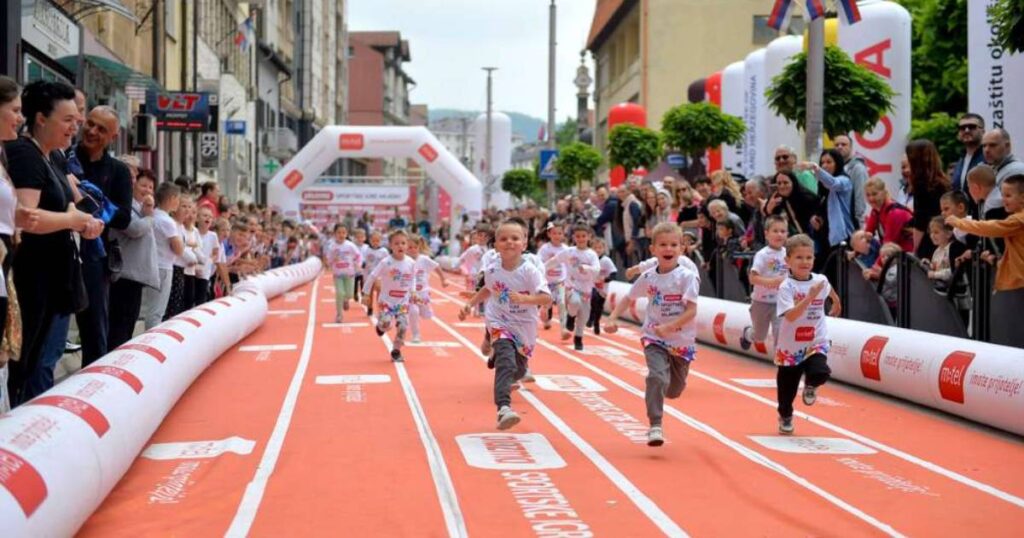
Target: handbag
(77, 297)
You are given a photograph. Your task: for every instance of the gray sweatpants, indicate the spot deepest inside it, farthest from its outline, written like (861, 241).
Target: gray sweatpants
(579, 308)
(666, 377)
(509, 366)
(154, 302)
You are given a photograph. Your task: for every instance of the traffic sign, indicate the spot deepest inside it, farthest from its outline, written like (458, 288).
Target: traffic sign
(234, 127)
(676, 160)
(548, 158)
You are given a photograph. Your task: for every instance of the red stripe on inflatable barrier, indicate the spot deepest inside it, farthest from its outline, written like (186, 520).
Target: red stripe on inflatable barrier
(23, 481)
(149, 350)
(187, 319)
(113, 371)
(209, 311)
(173, 334)
(224, 302)
(718, 328)
(250, 292)
(80, 408)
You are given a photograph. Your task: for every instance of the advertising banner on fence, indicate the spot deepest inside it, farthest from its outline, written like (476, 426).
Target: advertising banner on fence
(326, 204)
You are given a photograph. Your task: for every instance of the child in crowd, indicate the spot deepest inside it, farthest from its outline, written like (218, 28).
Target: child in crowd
(359, 240)
(344, 259)
(222, 285)
(239, 259)
(1010, 271)
(670, 327)
(728, 241)
(555, 274)
(954, 204)
(397, 275)
(420, 307)
(181, 284)
(940, 267)
(802, 348)
(767, 273)
(210, 249)
(373, 254)
(513, 289)
(874, 273)
(600, 292)
(168, 245)
(863, 248)
(691, 248)
(582, 269)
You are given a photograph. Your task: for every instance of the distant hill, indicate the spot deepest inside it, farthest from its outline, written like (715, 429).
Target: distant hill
(526, 126)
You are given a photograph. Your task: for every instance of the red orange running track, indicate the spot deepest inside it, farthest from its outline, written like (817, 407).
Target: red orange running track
(295, 446)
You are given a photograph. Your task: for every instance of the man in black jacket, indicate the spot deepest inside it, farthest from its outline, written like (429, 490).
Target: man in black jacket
(970, 128)
(114, 178)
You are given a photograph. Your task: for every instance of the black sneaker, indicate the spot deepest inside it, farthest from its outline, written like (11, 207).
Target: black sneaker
(570, 323)
(745, 341)
(396, 356)
(597, 329)
(369, 311)
(577, 343)
(786, 425)
(490, 362)
(810, 395)
(379, 331)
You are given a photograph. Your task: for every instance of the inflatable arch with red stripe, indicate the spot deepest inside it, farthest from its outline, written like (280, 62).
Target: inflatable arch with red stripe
(284, 192)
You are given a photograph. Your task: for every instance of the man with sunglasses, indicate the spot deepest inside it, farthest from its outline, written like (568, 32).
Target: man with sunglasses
(969, 130)
(785, 161)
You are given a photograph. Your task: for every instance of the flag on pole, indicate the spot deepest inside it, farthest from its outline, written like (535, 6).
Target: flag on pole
(815, 9)
(849, 13)
(781, 12)
(541, 134)
(245, 31)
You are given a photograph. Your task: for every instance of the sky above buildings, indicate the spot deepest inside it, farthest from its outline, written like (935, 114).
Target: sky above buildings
(451, 40)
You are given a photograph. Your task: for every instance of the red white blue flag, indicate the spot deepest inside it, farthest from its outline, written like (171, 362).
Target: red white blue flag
(848, 11)
(243, 39)
(780, 15)
(815, 9)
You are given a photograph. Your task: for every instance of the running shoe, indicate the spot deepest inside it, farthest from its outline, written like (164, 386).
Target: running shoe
(507, 418)
(380, 332)
(786, 425)
(415, 338)
(486, 349)
(72, 348)
(396, 356)
(566, 335)
(577, 343)
(745, 341)
(547, 325)
(810, 395)
(490, 362)
(655, 436)
(528, 377)
(570, 323)
(337, 319)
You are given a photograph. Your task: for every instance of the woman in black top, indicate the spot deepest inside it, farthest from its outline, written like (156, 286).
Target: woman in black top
(43, 268)
(791, 199)
(927, 184)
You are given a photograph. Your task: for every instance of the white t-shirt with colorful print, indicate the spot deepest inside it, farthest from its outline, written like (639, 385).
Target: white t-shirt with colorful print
(808, 335)
(668, 296)
(556, 273)
(768, 263)
(471, 259)
(607, 269)
(397, 280)
(373, 256)
(424, 266)
(344, 258)
(513, 321)
(581, 266)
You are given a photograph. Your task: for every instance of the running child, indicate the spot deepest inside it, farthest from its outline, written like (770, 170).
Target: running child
(359, 239)
(669, 333)
(767, 273)
(472, 260)
(555, 274)
(372, 256)
(420, 307)
(803, 343)
(600, 287)
(582, 268)
(513, 289)
(397, 275)
(344, 259)
(651, 263)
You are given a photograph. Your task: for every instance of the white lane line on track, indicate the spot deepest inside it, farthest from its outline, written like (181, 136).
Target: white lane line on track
(241, 524)
(269, 347)
(909, 458)
(633, 493)
(741, 449)
(453, 518)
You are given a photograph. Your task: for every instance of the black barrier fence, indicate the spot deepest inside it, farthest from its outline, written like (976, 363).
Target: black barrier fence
(968, 308)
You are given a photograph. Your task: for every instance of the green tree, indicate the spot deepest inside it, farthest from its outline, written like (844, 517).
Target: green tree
(632, 147)
(941, 129)
(520, 182)
(939, 57)
(855, 98)
(577, 162)
(566, 133)
(692, 128)
(1008, 24)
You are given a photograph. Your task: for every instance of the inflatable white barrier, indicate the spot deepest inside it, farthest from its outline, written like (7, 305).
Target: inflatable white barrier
(448, 263)
(976, 380)
(62, 452)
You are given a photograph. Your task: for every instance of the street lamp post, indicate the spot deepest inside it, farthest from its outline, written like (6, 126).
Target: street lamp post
(551, 95)
(488, 165)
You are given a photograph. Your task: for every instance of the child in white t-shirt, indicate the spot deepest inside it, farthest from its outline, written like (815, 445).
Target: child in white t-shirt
(471, 259)
(397, 275)
(669, 332)
(601, 286)
(359, 240)
(373, 254)
(803, 343)
(210, 247)
(420, 307)
(651, 263)
(582, 268)
(555, 274)
(344, 259)
(514, 289)
(767, 273)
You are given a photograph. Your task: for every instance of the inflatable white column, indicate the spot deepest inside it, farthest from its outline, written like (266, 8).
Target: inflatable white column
(881, 42)
(732, 104)
(756, 150)
(778, 53)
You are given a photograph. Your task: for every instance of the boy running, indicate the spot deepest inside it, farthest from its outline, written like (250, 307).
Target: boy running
(803, 344)
(767, 273)
(373, 254)
(582, 268)
(670, 329)
(420, 307)
(555, 274)
(397, 274)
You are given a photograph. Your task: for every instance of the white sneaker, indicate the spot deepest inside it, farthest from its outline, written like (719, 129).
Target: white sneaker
(507, 418)
(786, 425)
(810, 395)
(528, 378)
(415, 338)
(655, 436)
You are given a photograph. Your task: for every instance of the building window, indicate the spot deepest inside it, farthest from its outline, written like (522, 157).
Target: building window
(764, 34)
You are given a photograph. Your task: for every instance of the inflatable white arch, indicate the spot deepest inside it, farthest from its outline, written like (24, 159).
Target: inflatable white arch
(284, 192)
